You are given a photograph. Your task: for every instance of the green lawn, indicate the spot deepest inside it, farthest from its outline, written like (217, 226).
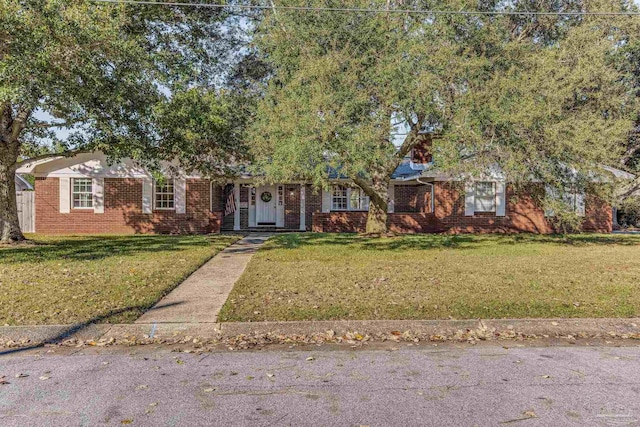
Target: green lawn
(323, 276)
(105, 279)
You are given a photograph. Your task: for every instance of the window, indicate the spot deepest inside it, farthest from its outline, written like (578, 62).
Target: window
(164, 195)
(339, 198)
(348, 199)
(358, 201)
(571, 199)
(82, 193)
(485, 197)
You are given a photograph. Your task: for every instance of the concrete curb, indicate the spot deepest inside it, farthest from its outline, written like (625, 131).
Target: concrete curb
(34, 335)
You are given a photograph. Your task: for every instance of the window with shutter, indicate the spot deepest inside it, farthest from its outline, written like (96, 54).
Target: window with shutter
(485, 197)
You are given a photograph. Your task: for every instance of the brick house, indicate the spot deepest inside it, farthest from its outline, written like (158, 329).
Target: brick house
(85, 194)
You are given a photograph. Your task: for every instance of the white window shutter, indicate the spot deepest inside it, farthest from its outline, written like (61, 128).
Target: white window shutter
(65, 195)
(552, 194)
(391, 207)
(580, 204)
(180, 196)
(147, 195)
(470, 199)
(326, 200)
(303, 202)
(501, 199)
(97, 184)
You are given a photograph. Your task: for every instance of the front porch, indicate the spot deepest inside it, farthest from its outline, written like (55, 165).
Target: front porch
(276, 207)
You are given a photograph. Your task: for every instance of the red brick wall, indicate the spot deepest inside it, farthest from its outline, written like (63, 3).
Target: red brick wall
(356, 222)
(312, 204)
(339, 222)
(406, 198)
(123, 210)
(523, 214)
(292, 207)
(412, 198)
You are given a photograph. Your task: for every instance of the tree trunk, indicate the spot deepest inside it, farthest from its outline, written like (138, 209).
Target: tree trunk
(9, 225)
(378, 204)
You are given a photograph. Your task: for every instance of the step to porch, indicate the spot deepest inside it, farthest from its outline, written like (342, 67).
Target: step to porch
(264, 230)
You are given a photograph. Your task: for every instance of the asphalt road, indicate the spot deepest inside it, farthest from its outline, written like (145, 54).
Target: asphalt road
(454, 385)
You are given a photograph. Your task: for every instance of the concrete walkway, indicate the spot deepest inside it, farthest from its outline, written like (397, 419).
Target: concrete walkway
(200, 298)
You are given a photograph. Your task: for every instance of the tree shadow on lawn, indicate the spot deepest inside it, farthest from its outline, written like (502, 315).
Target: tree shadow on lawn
(443, 241)
(84, 248)
(70, 330)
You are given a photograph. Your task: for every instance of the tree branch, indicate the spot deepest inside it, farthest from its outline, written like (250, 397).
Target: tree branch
(412, 139)
(20, 122)
(47, 125)
(370, 191)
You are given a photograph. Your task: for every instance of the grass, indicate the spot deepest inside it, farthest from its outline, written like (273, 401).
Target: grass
(324, 277)
(103, 279)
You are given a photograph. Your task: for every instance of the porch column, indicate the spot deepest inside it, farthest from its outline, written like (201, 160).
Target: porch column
(236, 213)
(303, 224)
(391, 206)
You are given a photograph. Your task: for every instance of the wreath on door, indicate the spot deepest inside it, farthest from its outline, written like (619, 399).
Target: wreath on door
(266, 197)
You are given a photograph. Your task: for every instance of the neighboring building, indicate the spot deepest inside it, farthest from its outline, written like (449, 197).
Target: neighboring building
(85, 194)
(22, 184)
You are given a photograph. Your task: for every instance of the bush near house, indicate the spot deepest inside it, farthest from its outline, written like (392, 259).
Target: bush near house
(102, 279)
(331, 276)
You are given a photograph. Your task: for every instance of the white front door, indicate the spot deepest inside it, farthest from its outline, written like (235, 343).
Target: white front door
(266, 205)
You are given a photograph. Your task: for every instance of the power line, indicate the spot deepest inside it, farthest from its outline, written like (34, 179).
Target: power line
(363, 10)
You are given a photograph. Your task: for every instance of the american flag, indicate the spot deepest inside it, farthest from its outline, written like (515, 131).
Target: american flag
(230, 207)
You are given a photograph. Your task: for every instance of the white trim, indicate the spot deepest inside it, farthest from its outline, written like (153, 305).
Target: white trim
(580, 204)
(180, 195)
(470, 199)
(303, 213)
(236, 213)
(280, 202)
(97, 185)
(65, 195)
(501, 199)
(326, 199)
(147, 196)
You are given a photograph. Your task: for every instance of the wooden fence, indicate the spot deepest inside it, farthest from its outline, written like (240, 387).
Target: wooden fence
(27, 211)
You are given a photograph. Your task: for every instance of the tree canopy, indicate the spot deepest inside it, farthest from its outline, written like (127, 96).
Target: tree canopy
(131, 80)
(542, 97)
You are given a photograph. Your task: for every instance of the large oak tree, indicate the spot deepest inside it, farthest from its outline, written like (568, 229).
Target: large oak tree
(542, 97)
(143, 81)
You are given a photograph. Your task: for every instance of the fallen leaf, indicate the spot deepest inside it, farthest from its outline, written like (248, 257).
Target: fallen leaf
(44, 378)
(126, 422)
(270, 375)
(530, 414)
(555, 323)
(310, 358)
(208, 390)
(3, 381)
(22, 375)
